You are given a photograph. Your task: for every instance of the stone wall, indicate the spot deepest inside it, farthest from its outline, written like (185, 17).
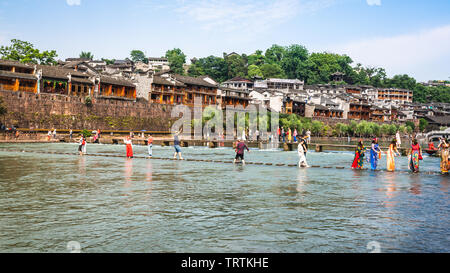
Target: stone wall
(46, 111)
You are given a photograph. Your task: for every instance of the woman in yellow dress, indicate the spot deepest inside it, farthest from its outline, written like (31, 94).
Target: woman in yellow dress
(390, 154)
(444, 147)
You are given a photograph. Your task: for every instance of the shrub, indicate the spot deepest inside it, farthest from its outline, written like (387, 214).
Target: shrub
(88, 101)
(86, 133)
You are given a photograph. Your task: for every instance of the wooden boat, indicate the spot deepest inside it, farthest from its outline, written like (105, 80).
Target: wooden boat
(431, 151)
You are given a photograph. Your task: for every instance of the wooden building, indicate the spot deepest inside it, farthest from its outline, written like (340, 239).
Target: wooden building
(115, 88)
(233, 97)
(64, 81)
(359, 111)
(16, 76)
(395, 94)
(294, 106)
(326, 112)
(169, 88)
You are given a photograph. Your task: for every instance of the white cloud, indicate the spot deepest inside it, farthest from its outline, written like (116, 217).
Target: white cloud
(373, 2)
(73, 2)
(424, 54)
(248, 16)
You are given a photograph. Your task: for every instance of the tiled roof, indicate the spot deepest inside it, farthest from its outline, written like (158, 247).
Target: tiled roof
(110, 80)
(192, 80)
(163, 81)
(10, 74)
(15, 63)
(59, 72)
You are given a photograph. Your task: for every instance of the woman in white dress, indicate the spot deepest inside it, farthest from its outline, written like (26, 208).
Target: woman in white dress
(301, 150)
(398, 139)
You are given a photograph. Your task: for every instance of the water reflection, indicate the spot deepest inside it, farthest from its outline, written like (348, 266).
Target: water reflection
(415, 185)
(445, 180)
(128, 172)
(82, 165)
(390, 189)
(149, 178)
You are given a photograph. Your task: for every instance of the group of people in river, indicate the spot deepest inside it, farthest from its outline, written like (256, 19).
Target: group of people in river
(292, 136)
(414, 155)
(374, 152)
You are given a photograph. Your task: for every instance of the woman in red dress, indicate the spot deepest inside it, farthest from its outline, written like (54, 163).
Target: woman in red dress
(129, 147)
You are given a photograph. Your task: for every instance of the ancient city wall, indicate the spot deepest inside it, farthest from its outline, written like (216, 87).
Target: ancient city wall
(46, 111)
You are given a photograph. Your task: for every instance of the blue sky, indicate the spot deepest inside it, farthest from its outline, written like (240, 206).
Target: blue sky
(402, 36)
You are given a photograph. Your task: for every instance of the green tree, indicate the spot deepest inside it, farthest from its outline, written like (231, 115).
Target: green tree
(176, 59)
(275, 54)
(293, 62)
(138, 56)
(26, 53)
(237, 66)
(109, 61)
(213, 66)
(385, 129)
(317, 127)
(253, 71)
(272, 70)
(401, 81)
(422, 124)
(320, 66)
(256, 58)
(411, 125)
(86, 55)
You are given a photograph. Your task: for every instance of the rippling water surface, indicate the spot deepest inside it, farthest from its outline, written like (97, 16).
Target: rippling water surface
(114, 204)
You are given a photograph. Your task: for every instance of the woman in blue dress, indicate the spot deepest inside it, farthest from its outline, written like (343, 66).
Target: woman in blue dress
(375, 151)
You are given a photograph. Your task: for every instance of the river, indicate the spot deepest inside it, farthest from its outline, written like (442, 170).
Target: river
(114, 204)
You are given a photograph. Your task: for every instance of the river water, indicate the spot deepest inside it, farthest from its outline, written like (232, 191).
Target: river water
(114, 204)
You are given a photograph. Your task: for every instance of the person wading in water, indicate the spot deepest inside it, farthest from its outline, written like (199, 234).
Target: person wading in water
(240, 146)
(176, 145)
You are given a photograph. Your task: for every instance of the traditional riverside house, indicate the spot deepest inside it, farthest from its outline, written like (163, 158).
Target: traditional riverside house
(238, 83)
(274, 83)
(321, 111)
(82, 66)
(16, 76)
(359, 108)
(170, 88)
(116, 88)
(197, 87)
(395, 95)
(166, 91)
(379, 114)
(123, 68)
(294, 106)
(64, 81)
(350, 89)
(158, 64)
(233, 97)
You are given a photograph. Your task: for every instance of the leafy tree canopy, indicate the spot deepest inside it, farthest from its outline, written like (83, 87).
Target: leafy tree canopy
(26, 53)
(86, 55)
(176, 59)
(138, 56)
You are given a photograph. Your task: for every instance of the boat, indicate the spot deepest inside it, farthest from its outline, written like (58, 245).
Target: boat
(430, 152)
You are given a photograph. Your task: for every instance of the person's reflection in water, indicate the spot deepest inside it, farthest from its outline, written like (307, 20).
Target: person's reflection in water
(391, 189)
(357, 178)
(82, 165)
(149, 178)
(445, 180)
(302, 181)
(128, 172)
(415, 185)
